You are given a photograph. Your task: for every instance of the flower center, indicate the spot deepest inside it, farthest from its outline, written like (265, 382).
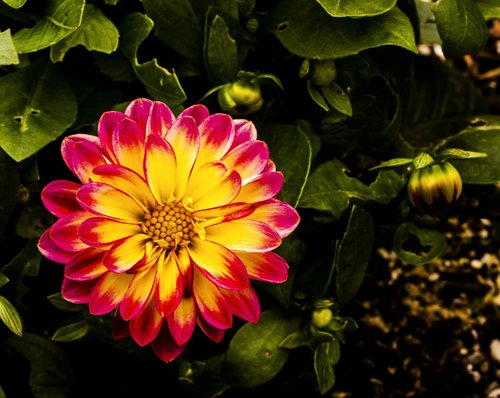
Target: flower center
(169, 226)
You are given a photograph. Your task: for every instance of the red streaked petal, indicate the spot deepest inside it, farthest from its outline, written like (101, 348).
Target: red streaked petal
(160, 119)
(64, 232)
(101, 231)
(144, 328)
(138, 294)
(263, 187)
(51, 251)
(102, 199)
(128, 145)
(217, 215)
(169, 287)
(59, 197)
(218, 264)
(266, 267)
(160, 167)
(244, 303)
(120, 327)
(126, 253)
(282, 217)
(198, 112)
(165, 347)
(86, 265)
(211, 303)
(216, 137)
(244, 235)
(107, 124)
(125, 180)
(184, 138)
(248, 158)
(185, 267)
(77, 292)
(108, 292)
(213, 185)
(138, 110)
(213, 333)
(244, 130)
(270, 166)
(183, 320)
(82, 157)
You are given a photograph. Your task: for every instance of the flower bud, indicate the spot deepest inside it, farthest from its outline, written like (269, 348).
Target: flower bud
(322, 317)
(240, 98)
(434, 187)
(322, 73)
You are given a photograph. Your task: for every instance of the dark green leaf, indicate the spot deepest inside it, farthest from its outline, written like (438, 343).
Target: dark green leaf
(15, 3)
(432, 244)
(8, 53)
(96, 33)
(317, 36)
(221, 53)
(354, 8)
(337, 98)
(9, 185)
(115, 66)
(61, 19)
(3, 280)
(10, 317)
(38, 107)
(389, 164)
(297, 339)
(25, 263)
(427, 23)
(71, 332)
(354, 254)
(33, 221)
(254, 356)
(60, 303)
(316, 96)
(489, 8)
(461, 26)
(2, 393)
(324, 354)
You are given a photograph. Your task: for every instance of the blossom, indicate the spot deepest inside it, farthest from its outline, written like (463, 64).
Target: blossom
(171, 219)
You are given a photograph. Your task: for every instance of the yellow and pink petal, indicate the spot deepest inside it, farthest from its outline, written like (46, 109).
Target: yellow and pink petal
(282, 217)
(108, 292)
(266, 267)
(138, 294)
(107, 124)
(144, 328)
(165, 347)
(243, 303)
(138, 110)
(248, 159)
(244, 130)
(128, 145)
(52, 251)
(198, 112)
(102, 231)
(126, 253)
(77, 292)
(169, 285)
(160, 119)
(216, 137)
(182, 321)
(64, 232)
(82, 157)
(59, 197)
(263, 187)
(86, 265)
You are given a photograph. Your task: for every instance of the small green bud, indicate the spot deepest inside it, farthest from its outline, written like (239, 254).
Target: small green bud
(322, 72)
(253, 25)
(321, 318)
(240, 98)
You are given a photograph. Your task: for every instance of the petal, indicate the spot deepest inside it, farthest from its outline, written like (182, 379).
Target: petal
(52, 251)
(82, 157)
(145, 327)
(216, 136)
(244, 235)
(169, 287)
(198, 112)
(248, 158)
(103, 199)
(185, 267)
(128, 145)
(126, 253)
(120, 327)
(64, 232)
(138, 294)
(107, 124)
(138, 110)
(108, 292)
(213, 185)
(59, 197)
(86, 265)
(77, 292)
(217, 215)
(261, 188)
(213, 333)
(244, 303)
(184, 138)
(218, 264)
(101, 231)
(160, 119)
(183, 320)
(282, 217)
(211, 303)
(165, 347)
(270, 166)
(244, 130)
(266, 267)
(125, 180)
(160, 168)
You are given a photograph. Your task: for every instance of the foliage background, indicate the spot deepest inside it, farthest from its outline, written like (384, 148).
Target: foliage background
(346, 84)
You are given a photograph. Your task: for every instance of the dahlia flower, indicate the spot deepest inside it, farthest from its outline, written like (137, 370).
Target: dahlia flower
(171, 219)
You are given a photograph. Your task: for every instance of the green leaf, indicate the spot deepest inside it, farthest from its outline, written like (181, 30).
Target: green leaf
(456, 153)
(432, 244)
(8, 53)
(3, 280)
(51, 372)
(9, 185)
(329, 189)
(10, 317)
(25, 263)
(33, 221)
(61, 19)
(60, 303)
(389, 164)
(96, 33)
(254, 356)
(483, 135)
(115, 66)
(15, 3)
(179, 24)
(38, 107)
(489, 8)
(461, 27)
(161, 84)
(317, 36)
(354, 8)
(221, 53)
(291, 152)
(354, 254)
(2, 393)
(337, 98)
(316, 96)
(71, 332)
(297, 339)
(326, 355)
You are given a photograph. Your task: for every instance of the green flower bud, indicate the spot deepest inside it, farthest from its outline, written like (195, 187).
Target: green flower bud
(322, 73)
(321, 318)
(434, 187)
(240, 98)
